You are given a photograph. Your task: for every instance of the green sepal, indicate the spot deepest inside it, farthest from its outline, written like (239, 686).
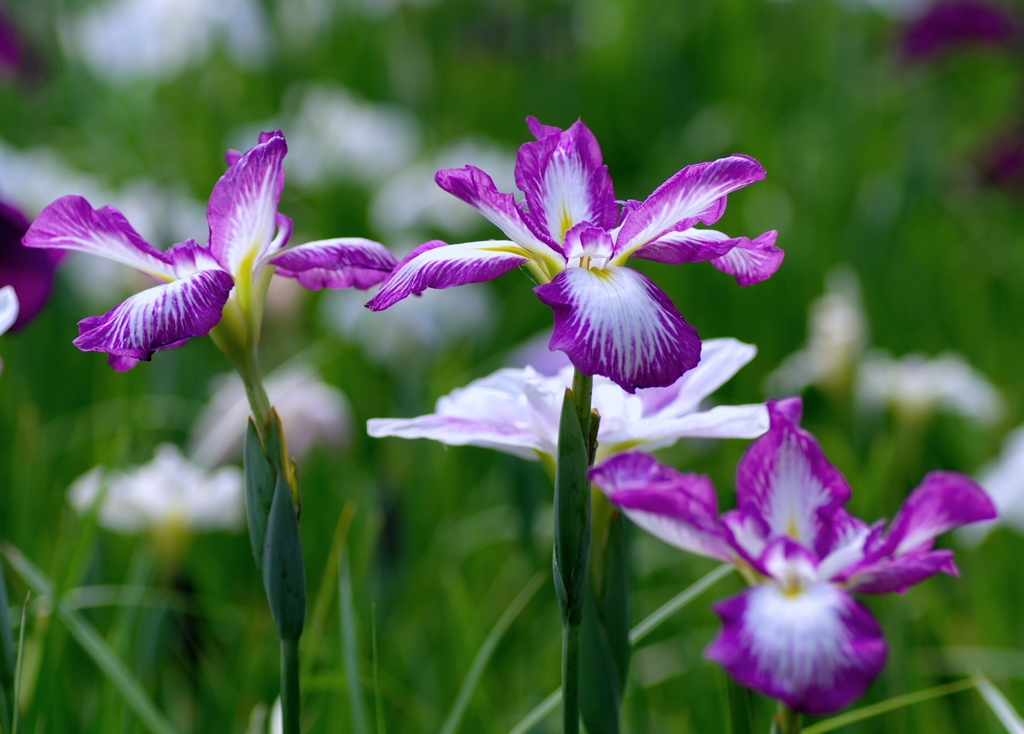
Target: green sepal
(277, 452)
(260, 480)
(6, 637)
(284, 572)
(604, 636)
(572, 515)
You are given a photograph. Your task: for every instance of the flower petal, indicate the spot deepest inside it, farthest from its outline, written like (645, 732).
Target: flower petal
(9, 308)
(816, 650)
(477, 189)
(158, 318)
(752, 261)
(565, 181)
(343, 262)
(680, 509)
(70, 223)
(455, 431)
(617, 323)
(689, 246)
(785, 477)
(899, 574)
(677, 203)
(723, 421)
(243, 206)
(437, 265)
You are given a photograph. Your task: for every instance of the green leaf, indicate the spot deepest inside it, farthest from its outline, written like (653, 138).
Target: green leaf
(483, 655)
(741, 711)
(284, 571)
(91, 641)
(260, 480)
(572, 515)
(1002, 709)
(350, 646)
(381, 728)
(6, 637)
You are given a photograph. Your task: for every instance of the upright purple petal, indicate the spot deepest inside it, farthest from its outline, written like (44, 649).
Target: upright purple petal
(477, 189)
(680, 509)
(693, 194)
(437, 265)
(957, 24)
(29, 271)
(617, 323)
(157, 318)
(242, 211)
(343, 262)
(785, 477)
(752, 261)
(815, 649)
(565, 181)
(70, 223)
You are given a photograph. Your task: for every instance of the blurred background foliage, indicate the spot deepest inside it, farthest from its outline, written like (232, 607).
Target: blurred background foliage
(875, 157)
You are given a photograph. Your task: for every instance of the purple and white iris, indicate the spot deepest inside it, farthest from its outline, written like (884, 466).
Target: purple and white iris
(797, 634)
(247, 235)
(570, 233)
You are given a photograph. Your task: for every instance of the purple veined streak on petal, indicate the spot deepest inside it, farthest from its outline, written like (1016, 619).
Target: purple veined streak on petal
(242, 211)
(615, 322)
(159, 317)
(752, 261)
(337, 263)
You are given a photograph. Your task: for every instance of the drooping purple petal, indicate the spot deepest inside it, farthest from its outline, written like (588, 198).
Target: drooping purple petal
(689, 246)
(343, 262)
(70, 223)
(158, 318)
(477, 189)
(899, 574)
(438, 265)
(816, 649)
(961, 23)
(680, 509)
(616, 323)
(693, 193)
(565, 181)
(29, 271)
(785, 477)
(752, 261)
(242, 211)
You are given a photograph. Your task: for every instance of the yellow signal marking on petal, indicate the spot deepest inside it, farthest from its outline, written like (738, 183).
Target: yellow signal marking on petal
(565, 221)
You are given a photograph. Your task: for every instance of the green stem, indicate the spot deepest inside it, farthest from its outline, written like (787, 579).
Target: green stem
(570, 679)
(249, 370)
(582, 388)
(787, 719)
(290, 697)
(5, 715)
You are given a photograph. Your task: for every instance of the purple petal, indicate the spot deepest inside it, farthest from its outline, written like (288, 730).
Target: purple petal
(752, 261)
(158, 318)
(899, 574)
(817, 649)
(437, 265)
(617, 323)
(30, 271)
(680, 509)
(337, 263)
(695, 192)
(961, 23)
(689, 246)
(785, 477)
(477, 189)
(70, 223)
(565, 181)
(242, 211)
(189, 257)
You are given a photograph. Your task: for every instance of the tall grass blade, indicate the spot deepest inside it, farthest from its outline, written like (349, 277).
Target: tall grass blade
(648, 625)
(483, 655)
(350, 646)
(97, 648)
(891, 704)
(16, 721)
(381, 729)
(996, 701)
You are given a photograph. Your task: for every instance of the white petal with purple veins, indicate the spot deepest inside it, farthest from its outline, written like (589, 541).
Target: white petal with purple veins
(752, 261)
(337, 263)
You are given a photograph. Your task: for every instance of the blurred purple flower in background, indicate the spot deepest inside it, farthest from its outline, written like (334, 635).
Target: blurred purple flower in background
(10, 46)
(962, 23)
(31, 272)
(797, 634)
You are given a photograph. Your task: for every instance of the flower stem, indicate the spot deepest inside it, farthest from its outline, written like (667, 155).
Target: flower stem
(787, 721)
(259, 402)
(290, 697)
(570, 679)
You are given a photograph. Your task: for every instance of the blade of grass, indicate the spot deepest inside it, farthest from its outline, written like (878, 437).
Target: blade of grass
(97, 648)
(17, 669)
(350, 646)
(451, 723)
(648, 625)
(883, 707)
(996, 701)
(376, 678)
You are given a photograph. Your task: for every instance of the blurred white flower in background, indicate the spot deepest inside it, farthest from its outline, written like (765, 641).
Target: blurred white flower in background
(169, 491)
(311, 412)
(126, 40)
(917, 386)
(534, 352)
(1003, 479)
(9, 308)
(837, 334)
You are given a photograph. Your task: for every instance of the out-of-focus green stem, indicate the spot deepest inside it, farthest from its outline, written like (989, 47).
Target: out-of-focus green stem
(787, 720)
(291, 701)
(570, 679)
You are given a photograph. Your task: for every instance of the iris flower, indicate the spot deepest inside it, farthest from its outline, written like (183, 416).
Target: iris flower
(226, 277)
(29, 271)
(570, 233)
(517, 410)
(797, 634)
